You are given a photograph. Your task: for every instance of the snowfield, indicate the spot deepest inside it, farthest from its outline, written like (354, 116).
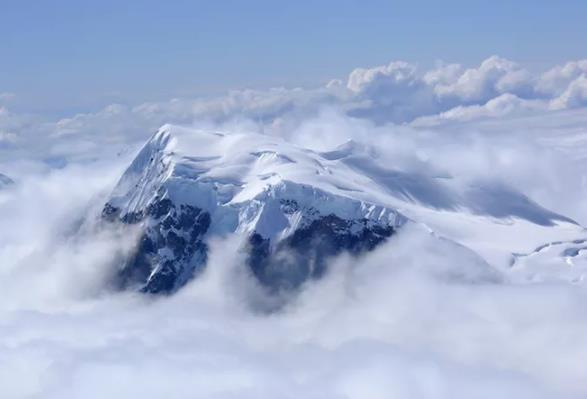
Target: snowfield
(5, 181)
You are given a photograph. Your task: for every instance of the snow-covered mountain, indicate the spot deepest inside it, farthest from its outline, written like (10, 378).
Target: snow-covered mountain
(295, 208)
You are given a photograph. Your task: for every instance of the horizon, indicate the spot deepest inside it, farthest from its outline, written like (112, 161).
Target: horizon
(65, 57)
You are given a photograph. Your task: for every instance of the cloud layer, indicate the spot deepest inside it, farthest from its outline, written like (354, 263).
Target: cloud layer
(398, 93)
(430, 325)
(419, 318)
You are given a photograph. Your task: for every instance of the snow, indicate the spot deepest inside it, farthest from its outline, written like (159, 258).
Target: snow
(241, 179)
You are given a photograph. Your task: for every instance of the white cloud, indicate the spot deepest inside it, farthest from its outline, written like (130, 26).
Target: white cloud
(393, 324)
(397, 75)
(503, 105)
(394, 93)
(555, 81)
(398, 93)
(42, 259)
(494, 76)
(574, 96)
(443, 74)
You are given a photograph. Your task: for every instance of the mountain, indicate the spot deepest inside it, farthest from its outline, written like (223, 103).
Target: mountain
(295, 208)
(5, 181)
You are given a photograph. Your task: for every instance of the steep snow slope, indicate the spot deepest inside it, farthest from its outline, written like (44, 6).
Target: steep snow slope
(296, 207)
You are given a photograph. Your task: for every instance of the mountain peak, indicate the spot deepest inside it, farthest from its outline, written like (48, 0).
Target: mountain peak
(187, 185)
(294, 208)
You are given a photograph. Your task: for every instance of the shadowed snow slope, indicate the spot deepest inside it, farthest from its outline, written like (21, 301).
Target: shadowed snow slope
(295, 208)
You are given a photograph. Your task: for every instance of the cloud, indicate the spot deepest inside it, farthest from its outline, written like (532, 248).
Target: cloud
(393, 76)
(397, 93)
(495, 76)
(575, 96)
(555, 81)
(389, 93)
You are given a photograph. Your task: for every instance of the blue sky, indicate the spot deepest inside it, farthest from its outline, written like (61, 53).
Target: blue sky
(62, 56)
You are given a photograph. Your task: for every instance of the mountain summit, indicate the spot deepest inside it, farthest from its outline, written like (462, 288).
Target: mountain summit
(293, 207)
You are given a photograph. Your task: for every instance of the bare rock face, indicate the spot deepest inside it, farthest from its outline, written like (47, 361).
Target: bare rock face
(171, 248)
(303, 255)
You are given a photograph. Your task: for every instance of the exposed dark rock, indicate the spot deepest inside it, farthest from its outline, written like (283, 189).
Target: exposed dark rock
(305, 254)
(171, 248)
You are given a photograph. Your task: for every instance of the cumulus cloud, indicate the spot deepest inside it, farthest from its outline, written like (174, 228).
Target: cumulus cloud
(498, 107)
(397, 93)
(556, 80)
(494, 76)
(395, 75)
(389, 93)
(48, 247)
(575, 96)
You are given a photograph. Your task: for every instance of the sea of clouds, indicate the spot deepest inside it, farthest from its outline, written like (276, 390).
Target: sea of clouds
(418, 318)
